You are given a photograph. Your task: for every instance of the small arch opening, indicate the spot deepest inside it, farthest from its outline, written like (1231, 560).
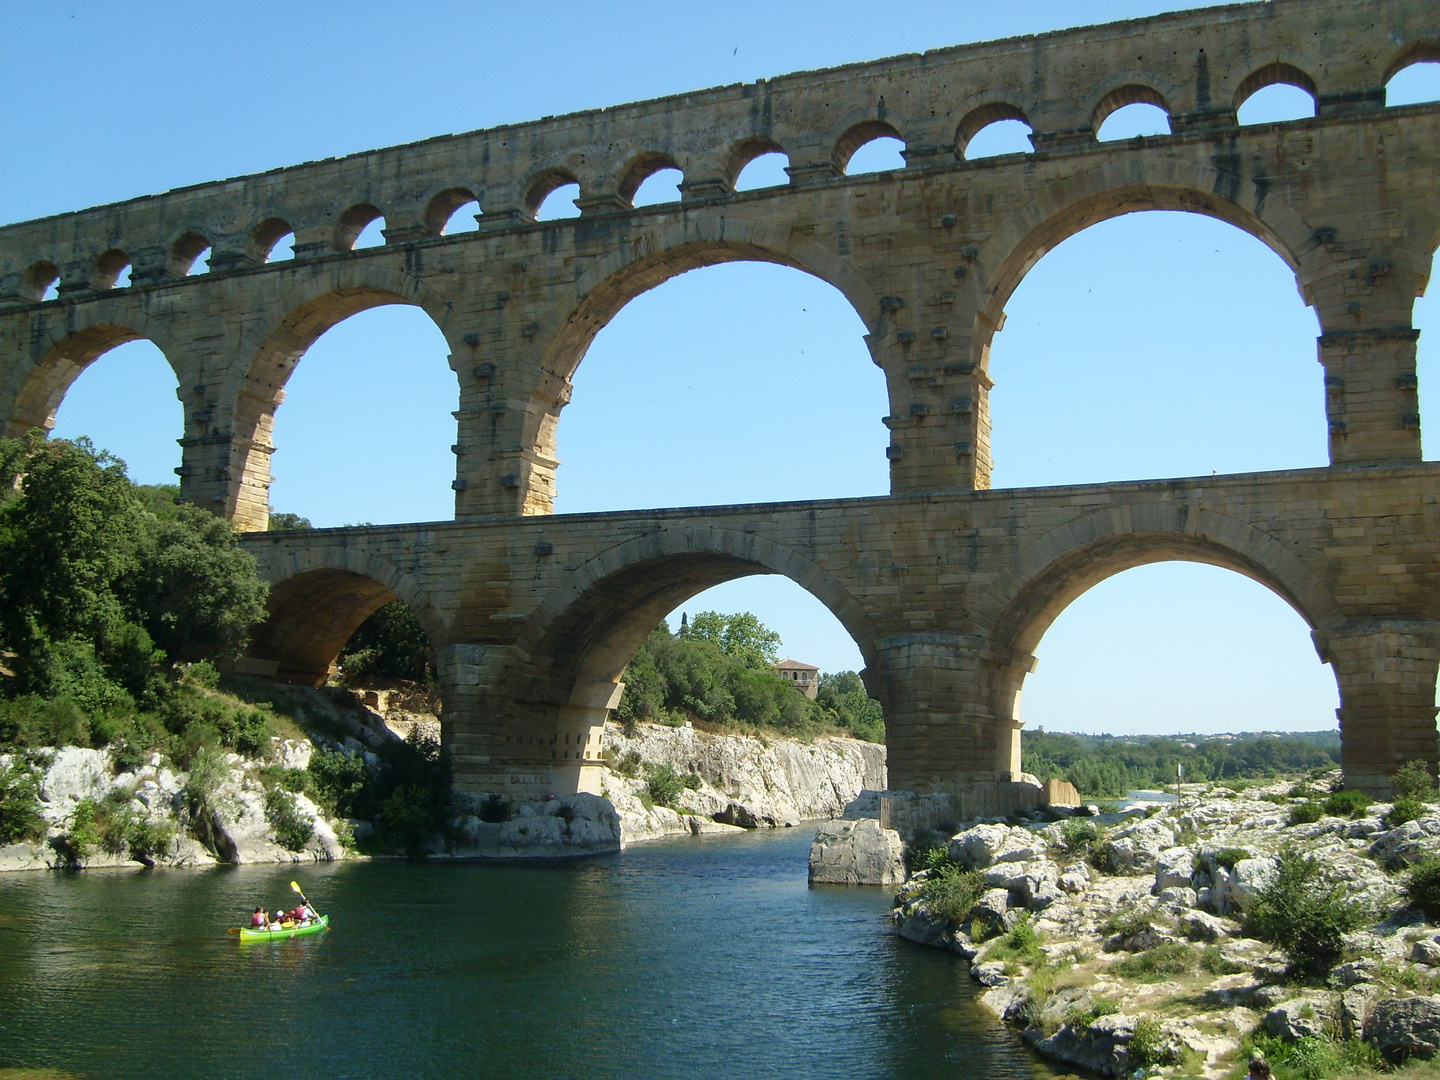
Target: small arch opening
(1276, 92)
(274, 240)
(455, 210)
(42, 281)
(189, 255)
(764, 170)
(112, 271)
(661, 186)
(993, 129)
(552, 195)
(1417, 81)
(359, 227)
(873, 146)
(1130, 111)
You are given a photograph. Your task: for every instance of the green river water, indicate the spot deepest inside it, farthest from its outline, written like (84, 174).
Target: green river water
(697, 957)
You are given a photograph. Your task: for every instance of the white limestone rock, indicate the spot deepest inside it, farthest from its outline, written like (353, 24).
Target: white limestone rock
(1174, 868)
(857, 853)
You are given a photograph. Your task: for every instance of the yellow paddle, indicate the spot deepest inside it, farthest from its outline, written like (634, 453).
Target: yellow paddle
(303, 900)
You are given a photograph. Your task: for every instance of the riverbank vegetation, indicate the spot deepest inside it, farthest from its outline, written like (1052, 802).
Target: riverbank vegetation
(1104, 766)
(717, 671)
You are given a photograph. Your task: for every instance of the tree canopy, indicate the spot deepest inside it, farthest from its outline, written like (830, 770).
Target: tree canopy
(103, 584)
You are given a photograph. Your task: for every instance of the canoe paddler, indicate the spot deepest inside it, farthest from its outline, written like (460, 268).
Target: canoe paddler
(257, 920)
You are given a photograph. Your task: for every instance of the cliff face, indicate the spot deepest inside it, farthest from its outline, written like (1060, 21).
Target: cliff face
(743, 780)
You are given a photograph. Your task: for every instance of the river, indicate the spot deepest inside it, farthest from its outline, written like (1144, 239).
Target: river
(695, 958)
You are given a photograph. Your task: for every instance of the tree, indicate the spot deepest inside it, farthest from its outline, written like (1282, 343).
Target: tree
(741, 636)
(102, 583)
(390, 644)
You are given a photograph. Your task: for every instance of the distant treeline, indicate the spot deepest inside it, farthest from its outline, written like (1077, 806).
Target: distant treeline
(1108, 767)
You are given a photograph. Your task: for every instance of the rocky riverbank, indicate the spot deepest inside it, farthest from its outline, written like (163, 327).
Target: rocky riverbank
(1129, 941)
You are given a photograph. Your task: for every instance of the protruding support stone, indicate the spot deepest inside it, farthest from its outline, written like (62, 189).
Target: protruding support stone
(580, 729)
(1386, 670)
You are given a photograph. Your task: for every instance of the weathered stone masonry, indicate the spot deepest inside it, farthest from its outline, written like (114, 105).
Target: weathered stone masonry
(946, 586)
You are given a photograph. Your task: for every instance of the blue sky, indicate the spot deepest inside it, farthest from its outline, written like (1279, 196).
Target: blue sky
(1110, 367)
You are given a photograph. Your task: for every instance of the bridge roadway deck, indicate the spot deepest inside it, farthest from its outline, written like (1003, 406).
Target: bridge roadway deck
(533, 619)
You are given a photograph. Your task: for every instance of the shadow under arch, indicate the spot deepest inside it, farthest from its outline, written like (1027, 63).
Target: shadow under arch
(585, 632)
(1110, 191)
(651, 259)
(254, 388)
(64, 345)
(317, 602)
(1053, 571)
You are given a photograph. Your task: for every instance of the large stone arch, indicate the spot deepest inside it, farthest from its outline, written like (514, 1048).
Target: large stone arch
(1126, 185)
(585, 631)
(652, 258)
(62, 345)
(319, 596)
(1055, 569)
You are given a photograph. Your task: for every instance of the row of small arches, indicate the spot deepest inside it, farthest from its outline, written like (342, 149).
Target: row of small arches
(1276, 92)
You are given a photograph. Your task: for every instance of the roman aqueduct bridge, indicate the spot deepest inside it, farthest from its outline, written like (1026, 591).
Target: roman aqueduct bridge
(945, 585)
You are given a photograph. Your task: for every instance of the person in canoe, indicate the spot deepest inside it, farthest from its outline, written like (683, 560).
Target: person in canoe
(258, 919)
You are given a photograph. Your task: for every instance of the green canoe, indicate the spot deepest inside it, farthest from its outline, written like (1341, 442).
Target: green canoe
(322, 923)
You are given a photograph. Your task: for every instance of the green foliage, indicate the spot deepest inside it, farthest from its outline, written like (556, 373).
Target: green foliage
(1212, 959)
(1129, 922)
(672, 677)
(406, 793)
(1110, 767)
(1147, 1045)
(1313, 1058)
(951, 892)
(1302, 914)
(1405, 809)
(287, 522)
(1021, 943)
(1078, 835)
(1229, 857)
(103, 586)
(338, 777)
(741, 637)
(80, 840)
(19, 806)
(1160, 963)
(1414, 781)
(293, 830)
(664, 784)
(495, 808)
(1422, 887)
(390, 644)
(1307, 812)
(1081, 1017)
(1351, 804)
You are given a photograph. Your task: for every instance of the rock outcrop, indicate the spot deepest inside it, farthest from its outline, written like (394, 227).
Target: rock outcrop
(739, 780)
(857, 853)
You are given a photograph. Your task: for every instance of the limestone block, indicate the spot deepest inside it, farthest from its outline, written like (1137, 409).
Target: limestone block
(857, 853)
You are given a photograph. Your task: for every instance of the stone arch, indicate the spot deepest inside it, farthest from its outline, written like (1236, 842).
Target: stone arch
(746, 151)
(65, 344)
(442, 206)
(1127, 88)
(107, 269)
(319, 597)
(1277, 71)
(857, 135)
(39, 276)
(651, 259)
(1417, 52)
(266, 235)
(269, 352)
(587, 629)
(538, 188)
(639, 169)
(1124, 187)
(1054, 570)
(352, 223)
(992, 109)
(186, 248)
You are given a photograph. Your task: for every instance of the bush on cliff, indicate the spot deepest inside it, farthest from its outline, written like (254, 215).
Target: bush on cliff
(1302, 914)
(1422, 887)
(19, 806)
(950, 893)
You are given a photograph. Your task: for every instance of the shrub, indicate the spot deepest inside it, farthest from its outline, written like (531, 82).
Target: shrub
(495, 808)
(147, 836)
(1312, 1058)
(1306, 813)
(1403, 810)
(1422, 886)
(1159, 963)
(1081, 1018)
(1077, 835)
(1230, 856)
(1413, 781)
(293, 830)
(1299, 913)
(19, 806)
(664, 784)
(1147, 1045)
(1351, 804)
(1213, 960)
(79, 842)
(951, 892)
(407, 814)
(1128, 923)
(338, 778)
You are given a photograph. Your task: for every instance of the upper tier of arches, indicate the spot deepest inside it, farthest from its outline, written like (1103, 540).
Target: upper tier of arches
(818, 121)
